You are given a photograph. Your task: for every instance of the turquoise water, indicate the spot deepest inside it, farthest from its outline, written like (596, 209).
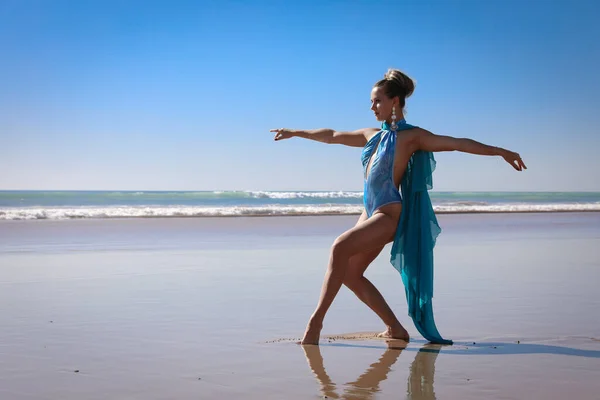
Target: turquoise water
(122, 204)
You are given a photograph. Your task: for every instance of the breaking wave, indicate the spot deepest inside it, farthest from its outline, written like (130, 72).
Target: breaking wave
(61, 213)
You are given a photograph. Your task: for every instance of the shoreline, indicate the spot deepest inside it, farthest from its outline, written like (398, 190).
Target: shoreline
(265, 215)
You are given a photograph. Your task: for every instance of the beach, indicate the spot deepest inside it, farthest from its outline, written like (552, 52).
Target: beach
(210, 308)
(175, 176)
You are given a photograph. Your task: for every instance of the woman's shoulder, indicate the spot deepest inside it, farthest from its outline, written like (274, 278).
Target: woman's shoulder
(370, 132)
(408, 138)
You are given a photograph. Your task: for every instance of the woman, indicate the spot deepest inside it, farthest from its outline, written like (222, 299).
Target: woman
(397, 155)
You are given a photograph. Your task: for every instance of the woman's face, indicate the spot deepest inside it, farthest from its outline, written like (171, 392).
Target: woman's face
(382, 105)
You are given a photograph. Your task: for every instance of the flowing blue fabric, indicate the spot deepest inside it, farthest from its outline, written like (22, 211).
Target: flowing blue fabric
(418, 229)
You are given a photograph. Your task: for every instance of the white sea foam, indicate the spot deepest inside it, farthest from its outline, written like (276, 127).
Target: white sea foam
(304, 195)
(174, 211)
(58, 213)
(514, 208)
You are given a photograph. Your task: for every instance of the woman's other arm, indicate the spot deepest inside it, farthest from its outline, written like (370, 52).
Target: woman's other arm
(427, 141)
(356, 138)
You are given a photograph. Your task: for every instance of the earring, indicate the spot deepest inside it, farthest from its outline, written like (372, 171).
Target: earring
(393, 125)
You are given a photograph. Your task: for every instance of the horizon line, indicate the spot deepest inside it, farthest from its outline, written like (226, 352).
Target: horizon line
(287, 190)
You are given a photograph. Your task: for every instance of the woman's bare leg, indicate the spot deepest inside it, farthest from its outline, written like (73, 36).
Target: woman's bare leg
(373, 233)
(368, 294)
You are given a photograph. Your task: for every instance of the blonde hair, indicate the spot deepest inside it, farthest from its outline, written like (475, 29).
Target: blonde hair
(397, 83)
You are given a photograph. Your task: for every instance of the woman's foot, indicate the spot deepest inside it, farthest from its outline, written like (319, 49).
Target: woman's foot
(396, 332)
(313, 332)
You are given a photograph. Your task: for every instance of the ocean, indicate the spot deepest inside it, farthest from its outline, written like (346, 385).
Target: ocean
(57, 205)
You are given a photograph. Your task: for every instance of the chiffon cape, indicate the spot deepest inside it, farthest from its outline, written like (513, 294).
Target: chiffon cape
(417, 232)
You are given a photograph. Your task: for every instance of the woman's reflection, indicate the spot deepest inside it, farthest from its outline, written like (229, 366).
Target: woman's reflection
(366, 386)
(422, 371)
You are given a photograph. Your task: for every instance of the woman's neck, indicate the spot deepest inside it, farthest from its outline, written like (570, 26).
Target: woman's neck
(399, 117)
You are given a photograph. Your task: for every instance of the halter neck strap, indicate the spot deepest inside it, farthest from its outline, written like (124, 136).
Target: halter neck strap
(387, 127)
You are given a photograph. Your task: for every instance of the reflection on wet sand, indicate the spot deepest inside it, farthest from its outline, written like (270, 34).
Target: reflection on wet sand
(422, 371)
(366, 386)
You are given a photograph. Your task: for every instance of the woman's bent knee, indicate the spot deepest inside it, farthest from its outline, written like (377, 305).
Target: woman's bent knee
(341, 247)
(352, 281)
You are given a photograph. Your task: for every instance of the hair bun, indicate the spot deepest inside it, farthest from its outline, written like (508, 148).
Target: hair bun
(389, 75)
(402, 80)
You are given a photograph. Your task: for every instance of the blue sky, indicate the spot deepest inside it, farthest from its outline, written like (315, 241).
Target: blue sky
(176, 95)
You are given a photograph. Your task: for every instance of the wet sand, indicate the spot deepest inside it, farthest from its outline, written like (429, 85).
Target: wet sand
(210, 308)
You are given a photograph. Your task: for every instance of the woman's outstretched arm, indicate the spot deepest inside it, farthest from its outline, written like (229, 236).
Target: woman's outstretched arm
(427, 141)
(356, 138)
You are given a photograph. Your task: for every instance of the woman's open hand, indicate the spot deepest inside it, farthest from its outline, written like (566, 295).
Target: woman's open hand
(282, 133)
(513, 159)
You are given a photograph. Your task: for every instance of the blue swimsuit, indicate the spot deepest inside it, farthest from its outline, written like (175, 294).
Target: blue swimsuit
(412, 250)
(379, 187)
